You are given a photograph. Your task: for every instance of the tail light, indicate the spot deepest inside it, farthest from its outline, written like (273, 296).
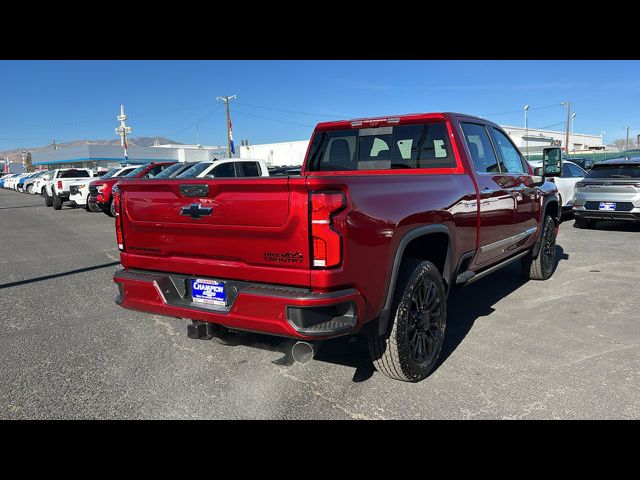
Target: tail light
(59, 184)
(327, 241)
(119, 235)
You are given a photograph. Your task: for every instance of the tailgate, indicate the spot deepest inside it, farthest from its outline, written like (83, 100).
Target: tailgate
(243, 229)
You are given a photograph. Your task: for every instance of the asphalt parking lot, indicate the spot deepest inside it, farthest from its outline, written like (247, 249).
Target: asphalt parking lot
(567, 348)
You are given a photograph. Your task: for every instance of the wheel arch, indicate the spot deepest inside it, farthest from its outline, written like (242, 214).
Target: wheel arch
(428, 242)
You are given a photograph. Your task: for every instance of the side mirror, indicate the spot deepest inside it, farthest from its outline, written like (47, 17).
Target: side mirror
(552, 161)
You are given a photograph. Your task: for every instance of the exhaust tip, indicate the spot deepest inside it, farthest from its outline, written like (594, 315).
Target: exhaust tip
(303, 352)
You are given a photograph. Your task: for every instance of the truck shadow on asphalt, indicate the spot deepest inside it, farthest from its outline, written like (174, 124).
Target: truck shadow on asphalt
(465, 306)
(614, 226)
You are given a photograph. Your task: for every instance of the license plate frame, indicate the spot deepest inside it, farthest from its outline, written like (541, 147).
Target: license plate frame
(208, 292)
(607, 206)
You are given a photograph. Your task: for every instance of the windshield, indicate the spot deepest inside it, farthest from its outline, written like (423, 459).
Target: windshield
(195, 170)
(110, 173)
(627, 170)
(134, 173)
(124, 172)
(169, 171)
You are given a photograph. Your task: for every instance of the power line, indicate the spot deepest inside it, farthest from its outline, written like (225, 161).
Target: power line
(291, 111)
(273, 119)
(194, 123)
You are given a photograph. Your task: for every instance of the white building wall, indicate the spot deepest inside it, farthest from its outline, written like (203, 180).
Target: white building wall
(276, 154)
(542, 138)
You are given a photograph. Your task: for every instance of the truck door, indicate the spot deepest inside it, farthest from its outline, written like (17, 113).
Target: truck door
(497, 209)
(513, 165)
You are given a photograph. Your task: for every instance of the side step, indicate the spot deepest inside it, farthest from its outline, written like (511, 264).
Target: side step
(469, 277)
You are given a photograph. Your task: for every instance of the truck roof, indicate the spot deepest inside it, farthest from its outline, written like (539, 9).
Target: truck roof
(408, 118)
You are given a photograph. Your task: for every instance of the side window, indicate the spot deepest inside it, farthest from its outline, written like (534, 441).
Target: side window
(249, 169)
(574, 170)
(511, 159)
(224, 170)
(154, 171)
(480, 148)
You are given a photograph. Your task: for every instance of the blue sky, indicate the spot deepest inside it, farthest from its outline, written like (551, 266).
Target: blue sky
(283, 100)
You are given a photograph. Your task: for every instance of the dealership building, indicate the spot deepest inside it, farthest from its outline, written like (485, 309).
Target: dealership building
(107, 156)
(529, 141)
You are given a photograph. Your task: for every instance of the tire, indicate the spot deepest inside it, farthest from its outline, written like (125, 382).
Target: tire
(47, 199)
(411, 349)
(542, 267)
(112, 209)
(92, 207)
(29, 189)
(584, 223)
(57, 203)
(107, 209)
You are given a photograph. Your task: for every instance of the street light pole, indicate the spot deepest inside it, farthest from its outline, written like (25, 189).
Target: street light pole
(526, 129)
(573, 116)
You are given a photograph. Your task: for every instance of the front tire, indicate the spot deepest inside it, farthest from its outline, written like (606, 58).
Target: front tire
(92, 207)
(107, 209)
(419, 315)
(542, 267)
(30, 189)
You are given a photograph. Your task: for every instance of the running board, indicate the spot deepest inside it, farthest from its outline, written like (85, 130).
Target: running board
(469, 277)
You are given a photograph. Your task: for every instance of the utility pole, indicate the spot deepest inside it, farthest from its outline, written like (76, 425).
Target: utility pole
(123, 130)
(526, 129)
(229, 129)
(626, 145)
(566, 150)
(54, 144)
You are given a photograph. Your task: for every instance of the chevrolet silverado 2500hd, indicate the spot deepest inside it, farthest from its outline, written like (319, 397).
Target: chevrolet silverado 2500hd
(386, 216)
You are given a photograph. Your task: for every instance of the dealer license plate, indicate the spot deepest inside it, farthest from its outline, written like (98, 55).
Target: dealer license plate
(207, 291)
(607, 206)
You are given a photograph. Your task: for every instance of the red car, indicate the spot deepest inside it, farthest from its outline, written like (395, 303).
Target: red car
(100, 197)
(387, 215)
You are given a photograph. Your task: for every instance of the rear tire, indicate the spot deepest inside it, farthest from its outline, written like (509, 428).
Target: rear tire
(47, 199)
(57, 203)
(112, 209)
(584, 223)
(542, 267)
(30, 189)
(419, 315)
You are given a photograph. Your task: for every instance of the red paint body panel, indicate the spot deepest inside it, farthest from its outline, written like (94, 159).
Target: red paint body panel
(259, 230)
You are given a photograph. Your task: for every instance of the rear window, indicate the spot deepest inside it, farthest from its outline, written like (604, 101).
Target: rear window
(74, 174)
(615, 171)
(382, 148)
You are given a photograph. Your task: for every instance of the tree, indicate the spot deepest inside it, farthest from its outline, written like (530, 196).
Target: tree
(621, 143)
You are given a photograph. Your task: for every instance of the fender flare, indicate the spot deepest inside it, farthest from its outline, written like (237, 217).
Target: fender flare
(543, 207)
(383, 320)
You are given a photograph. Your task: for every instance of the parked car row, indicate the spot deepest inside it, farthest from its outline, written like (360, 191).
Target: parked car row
(93, 191)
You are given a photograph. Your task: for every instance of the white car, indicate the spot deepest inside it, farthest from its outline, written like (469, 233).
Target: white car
(79, 193)
(56, 190)
(228, 168)
(571, 174)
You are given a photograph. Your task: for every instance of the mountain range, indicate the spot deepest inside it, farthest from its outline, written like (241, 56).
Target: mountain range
(139, 141)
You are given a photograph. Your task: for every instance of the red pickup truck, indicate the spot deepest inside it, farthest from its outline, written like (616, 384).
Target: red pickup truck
(386, 216)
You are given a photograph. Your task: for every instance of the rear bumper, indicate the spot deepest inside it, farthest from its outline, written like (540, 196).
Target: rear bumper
(271, 309)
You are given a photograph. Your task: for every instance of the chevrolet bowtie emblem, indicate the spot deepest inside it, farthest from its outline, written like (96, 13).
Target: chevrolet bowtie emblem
(195, 210)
